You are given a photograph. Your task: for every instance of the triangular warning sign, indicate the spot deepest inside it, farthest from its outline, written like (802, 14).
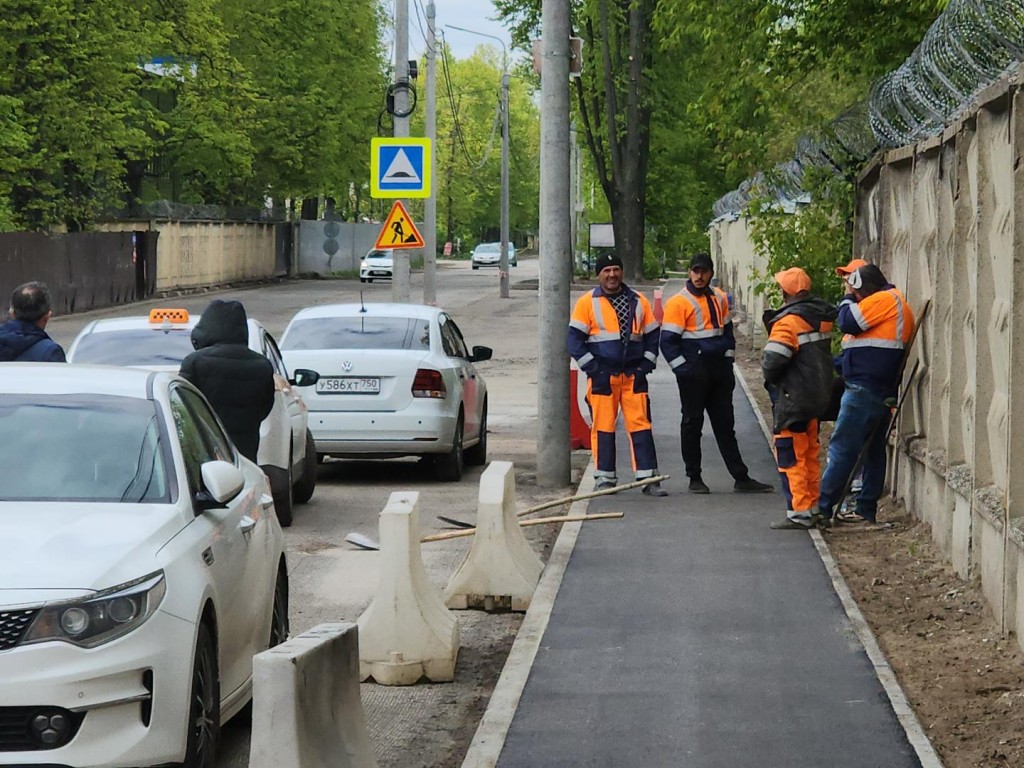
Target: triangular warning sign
(399, 231)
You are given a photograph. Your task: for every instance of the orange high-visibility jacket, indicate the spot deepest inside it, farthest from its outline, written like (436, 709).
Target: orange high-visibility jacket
(594, 340)
(877, 330)
(690, 330)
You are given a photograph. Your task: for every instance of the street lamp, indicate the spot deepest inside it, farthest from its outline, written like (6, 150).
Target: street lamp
(503, 262)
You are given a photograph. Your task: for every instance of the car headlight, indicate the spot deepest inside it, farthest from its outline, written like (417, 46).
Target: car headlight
(92, 621)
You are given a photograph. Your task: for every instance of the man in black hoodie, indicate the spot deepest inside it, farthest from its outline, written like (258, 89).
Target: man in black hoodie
(798, 373)
(238, 382)
(23, 338)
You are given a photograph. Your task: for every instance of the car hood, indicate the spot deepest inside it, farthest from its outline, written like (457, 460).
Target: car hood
(378, 263)
(55, 549)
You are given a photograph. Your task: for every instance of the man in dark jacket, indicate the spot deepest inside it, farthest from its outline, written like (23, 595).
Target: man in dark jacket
(23, 338)
(238, 382)
(798, 374)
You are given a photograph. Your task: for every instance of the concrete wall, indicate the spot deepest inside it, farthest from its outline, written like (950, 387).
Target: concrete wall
(945, 220)
(334, 246)
(194, 254)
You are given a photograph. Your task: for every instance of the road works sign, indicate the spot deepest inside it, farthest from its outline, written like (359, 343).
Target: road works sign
(399, 167)
(399, 231)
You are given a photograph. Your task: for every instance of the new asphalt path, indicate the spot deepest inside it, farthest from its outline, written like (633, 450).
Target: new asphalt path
(691, 635)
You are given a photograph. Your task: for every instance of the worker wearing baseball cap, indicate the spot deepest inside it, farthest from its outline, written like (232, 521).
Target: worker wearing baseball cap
(854, 264)
(798, 373)
(697, 341)
(613, 337)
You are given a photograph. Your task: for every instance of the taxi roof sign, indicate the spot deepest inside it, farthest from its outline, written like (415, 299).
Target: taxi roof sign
(400, 167)
(168, 315)
(399, 231)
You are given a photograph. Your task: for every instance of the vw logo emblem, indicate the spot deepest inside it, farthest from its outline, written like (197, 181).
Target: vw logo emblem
(346, 366)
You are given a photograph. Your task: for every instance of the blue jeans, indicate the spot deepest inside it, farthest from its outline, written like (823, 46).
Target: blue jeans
(863, 416)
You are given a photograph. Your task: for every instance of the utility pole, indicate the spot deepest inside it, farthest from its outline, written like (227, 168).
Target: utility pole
(400, 281)
(503, 258)
(553, 453)
(430, 207)
(503, 266)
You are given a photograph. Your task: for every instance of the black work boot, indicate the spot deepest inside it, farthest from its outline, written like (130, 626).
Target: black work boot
(653, 489)
(697, 486)
(749, 485)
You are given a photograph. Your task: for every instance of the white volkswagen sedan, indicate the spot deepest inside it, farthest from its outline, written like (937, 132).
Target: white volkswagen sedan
(395, 380)
(162, 339)
(142, 568)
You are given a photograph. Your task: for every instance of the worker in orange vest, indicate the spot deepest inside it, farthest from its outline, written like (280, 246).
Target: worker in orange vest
(613, 336)
(878, 324)
(698, 342)
(798, 374)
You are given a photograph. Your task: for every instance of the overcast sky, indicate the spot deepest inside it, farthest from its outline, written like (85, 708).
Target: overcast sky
(470, 14)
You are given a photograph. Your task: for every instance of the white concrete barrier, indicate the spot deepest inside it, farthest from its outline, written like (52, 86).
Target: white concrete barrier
(501, 570)
(306, 710)
(407, 633)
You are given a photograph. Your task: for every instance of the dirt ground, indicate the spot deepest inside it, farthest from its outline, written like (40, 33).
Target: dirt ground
(964, 680)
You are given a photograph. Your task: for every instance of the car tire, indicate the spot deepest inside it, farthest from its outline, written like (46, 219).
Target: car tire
(204, 705)
(362, 279)
(476, 456)
(448, 468)
(279, 617)
(475, 267)
(303, 490)
(369, 279)
(283, 498)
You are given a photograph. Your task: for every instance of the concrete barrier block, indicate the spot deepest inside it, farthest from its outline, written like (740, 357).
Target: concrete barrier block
(961, 554)
(306, 710)
(501, 570)
(407, 633)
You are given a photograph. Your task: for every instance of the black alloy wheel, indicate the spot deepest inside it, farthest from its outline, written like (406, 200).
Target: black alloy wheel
(448, 467)
(303, 490)
(279, 616)
(476, 456)
(204, 709)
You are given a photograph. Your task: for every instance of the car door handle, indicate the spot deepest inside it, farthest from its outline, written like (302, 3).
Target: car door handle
(246, 524)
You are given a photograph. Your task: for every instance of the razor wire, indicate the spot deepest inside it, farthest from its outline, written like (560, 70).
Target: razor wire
(970, 46)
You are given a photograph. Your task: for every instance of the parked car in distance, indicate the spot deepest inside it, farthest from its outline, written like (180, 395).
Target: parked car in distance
(395, 380)
(377, 265)
(142, 568)
(489, 255)
(162, 339)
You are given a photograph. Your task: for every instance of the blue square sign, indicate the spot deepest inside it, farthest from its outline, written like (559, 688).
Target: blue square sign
(400, 167)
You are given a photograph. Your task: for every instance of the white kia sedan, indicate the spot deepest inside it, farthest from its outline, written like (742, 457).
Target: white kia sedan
(142, 568)
(377, 265)
(162, 339)
(395, 380)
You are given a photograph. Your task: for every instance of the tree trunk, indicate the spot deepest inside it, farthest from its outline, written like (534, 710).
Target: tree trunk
(310, 208)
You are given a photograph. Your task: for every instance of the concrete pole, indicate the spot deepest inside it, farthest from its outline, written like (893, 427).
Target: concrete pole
(574, 191)
(553, 454)
(400, 282)
(503, 260)
(430, 207)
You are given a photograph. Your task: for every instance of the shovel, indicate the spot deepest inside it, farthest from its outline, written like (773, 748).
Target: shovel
(365, 542)
(567, 500)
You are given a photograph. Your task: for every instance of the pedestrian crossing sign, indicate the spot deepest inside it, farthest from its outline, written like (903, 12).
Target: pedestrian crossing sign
(400, 167)
(399, 231)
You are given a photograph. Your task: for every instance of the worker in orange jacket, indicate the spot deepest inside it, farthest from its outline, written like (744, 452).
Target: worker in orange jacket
(697, 341)
(798, 374)
(878, 324)
(613, 336)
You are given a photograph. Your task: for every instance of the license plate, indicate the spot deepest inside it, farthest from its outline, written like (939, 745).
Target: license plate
(348, 385)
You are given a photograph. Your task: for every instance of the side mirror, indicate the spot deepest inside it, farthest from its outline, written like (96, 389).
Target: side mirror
(480, 354)
(303, 377)
(222, 482)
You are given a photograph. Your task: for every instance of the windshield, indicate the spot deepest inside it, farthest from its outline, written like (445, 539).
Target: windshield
(140, 346)
(378, 255)
(81, 448)
(358, 333)
(489, 248)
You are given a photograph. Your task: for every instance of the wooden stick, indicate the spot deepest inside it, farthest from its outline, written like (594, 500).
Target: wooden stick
(538, 521)
(594, 494)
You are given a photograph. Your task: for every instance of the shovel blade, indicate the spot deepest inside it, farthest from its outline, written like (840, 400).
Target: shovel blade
(361, 541)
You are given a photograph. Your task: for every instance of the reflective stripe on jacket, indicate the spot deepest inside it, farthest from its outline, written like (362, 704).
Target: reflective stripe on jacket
(596, 344)
(690, 330)
(877, 330)
(797, 361)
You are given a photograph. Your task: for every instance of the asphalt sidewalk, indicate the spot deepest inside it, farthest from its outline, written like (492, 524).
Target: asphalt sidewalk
(689, 634)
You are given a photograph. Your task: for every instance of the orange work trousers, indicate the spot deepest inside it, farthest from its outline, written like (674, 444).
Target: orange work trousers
(799, 467)
(607, 396)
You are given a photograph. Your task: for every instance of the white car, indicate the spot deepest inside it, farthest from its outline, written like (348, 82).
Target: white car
(161, 340)
(395, 380)
(143, 567)
(377, 265)
(489, 255)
